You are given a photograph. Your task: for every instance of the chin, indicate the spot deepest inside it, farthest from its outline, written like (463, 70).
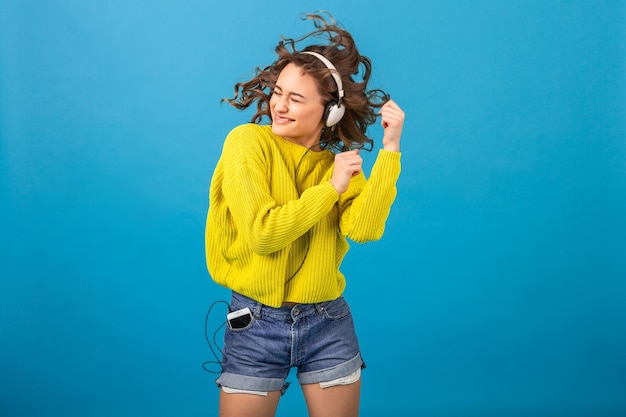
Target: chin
(279, 130)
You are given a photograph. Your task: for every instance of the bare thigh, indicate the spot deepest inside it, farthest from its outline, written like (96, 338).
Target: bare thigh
(248, 405)
(337, 401)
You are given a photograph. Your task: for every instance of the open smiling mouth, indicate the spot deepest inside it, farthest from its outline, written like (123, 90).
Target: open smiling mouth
(280, 119)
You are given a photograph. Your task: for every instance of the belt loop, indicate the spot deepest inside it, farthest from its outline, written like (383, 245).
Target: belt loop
(258, 307)
(320, 307)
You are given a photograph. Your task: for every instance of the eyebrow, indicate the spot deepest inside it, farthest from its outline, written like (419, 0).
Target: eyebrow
(291, 93)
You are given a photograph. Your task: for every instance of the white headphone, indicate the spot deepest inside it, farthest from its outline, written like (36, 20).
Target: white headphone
(334, 110)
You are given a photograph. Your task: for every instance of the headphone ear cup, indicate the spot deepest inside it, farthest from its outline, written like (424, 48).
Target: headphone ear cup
(333, 113)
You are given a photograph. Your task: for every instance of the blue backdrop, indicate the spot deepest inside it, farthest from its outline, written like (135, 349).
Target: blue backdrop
(498, 289)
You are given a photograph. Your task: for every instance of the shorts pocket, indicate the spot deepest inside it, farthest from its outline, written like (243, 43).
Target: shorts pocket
(241, 323)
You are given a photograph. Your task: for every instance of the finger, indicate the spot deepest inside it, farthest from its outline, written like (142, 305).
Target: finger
(391, 106)
(353, 160)
(394, 116)
(393, 111)
(347, 156)
(348, 159)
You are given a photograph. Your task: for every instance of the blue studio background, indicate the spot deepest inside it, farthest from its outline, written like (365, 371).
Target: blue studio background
(498, 289)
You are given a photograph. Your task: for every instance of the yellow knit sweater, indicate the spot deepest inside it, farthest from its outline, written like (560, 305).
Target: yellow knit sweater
(276, 229)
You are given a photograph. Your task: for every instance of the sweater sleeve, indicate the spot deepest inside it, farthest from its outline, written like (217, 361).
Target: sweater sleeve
(262, 222)
(365, 207)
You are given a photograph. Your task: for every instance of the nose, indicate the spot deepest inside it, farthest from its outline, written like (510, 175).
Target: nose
(280, 103)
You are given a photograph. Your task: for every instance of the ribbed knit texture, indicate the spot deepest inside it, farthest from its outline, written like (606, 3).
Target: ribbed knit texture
(276, 229)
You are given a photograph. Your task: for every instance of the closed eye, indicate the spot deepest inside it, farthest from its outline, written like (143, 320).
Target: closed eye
(295, 97)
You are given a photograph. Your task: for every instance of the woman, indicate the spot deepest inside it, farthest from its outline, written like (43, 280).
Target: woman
(284, 199)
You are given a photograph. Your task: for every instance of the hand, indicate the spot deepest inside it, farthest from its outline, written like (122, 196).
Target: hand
(392, 121)
(347, 165)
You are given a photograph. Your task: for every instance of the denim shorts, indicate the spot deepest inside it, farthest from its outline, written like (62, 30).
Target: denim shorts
(317, 339)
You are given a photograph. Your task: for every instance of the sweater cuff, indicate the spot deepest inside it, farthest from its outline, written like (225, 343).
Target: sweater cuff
(329, 191)
(389, 155)
(387, 164)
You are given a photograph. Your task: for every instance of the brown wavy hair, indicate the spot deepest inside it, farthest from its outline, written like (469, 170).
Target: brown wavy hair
(355, 71)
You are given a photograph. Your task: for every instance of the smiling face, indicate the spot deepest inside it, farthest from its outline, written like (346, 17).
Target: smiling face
(296, 107)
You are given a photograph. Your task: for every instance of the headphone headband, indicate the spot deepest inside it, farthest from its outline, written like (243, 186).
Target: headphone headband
(333, 72)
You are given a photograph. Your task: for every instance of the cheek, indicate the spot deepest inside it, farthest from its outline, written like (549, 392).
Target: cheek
(314, 115)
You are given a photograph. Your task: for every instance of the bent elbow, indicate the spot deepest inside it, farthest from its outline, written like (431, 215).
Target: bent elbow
(262, 246)
(366, 235)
